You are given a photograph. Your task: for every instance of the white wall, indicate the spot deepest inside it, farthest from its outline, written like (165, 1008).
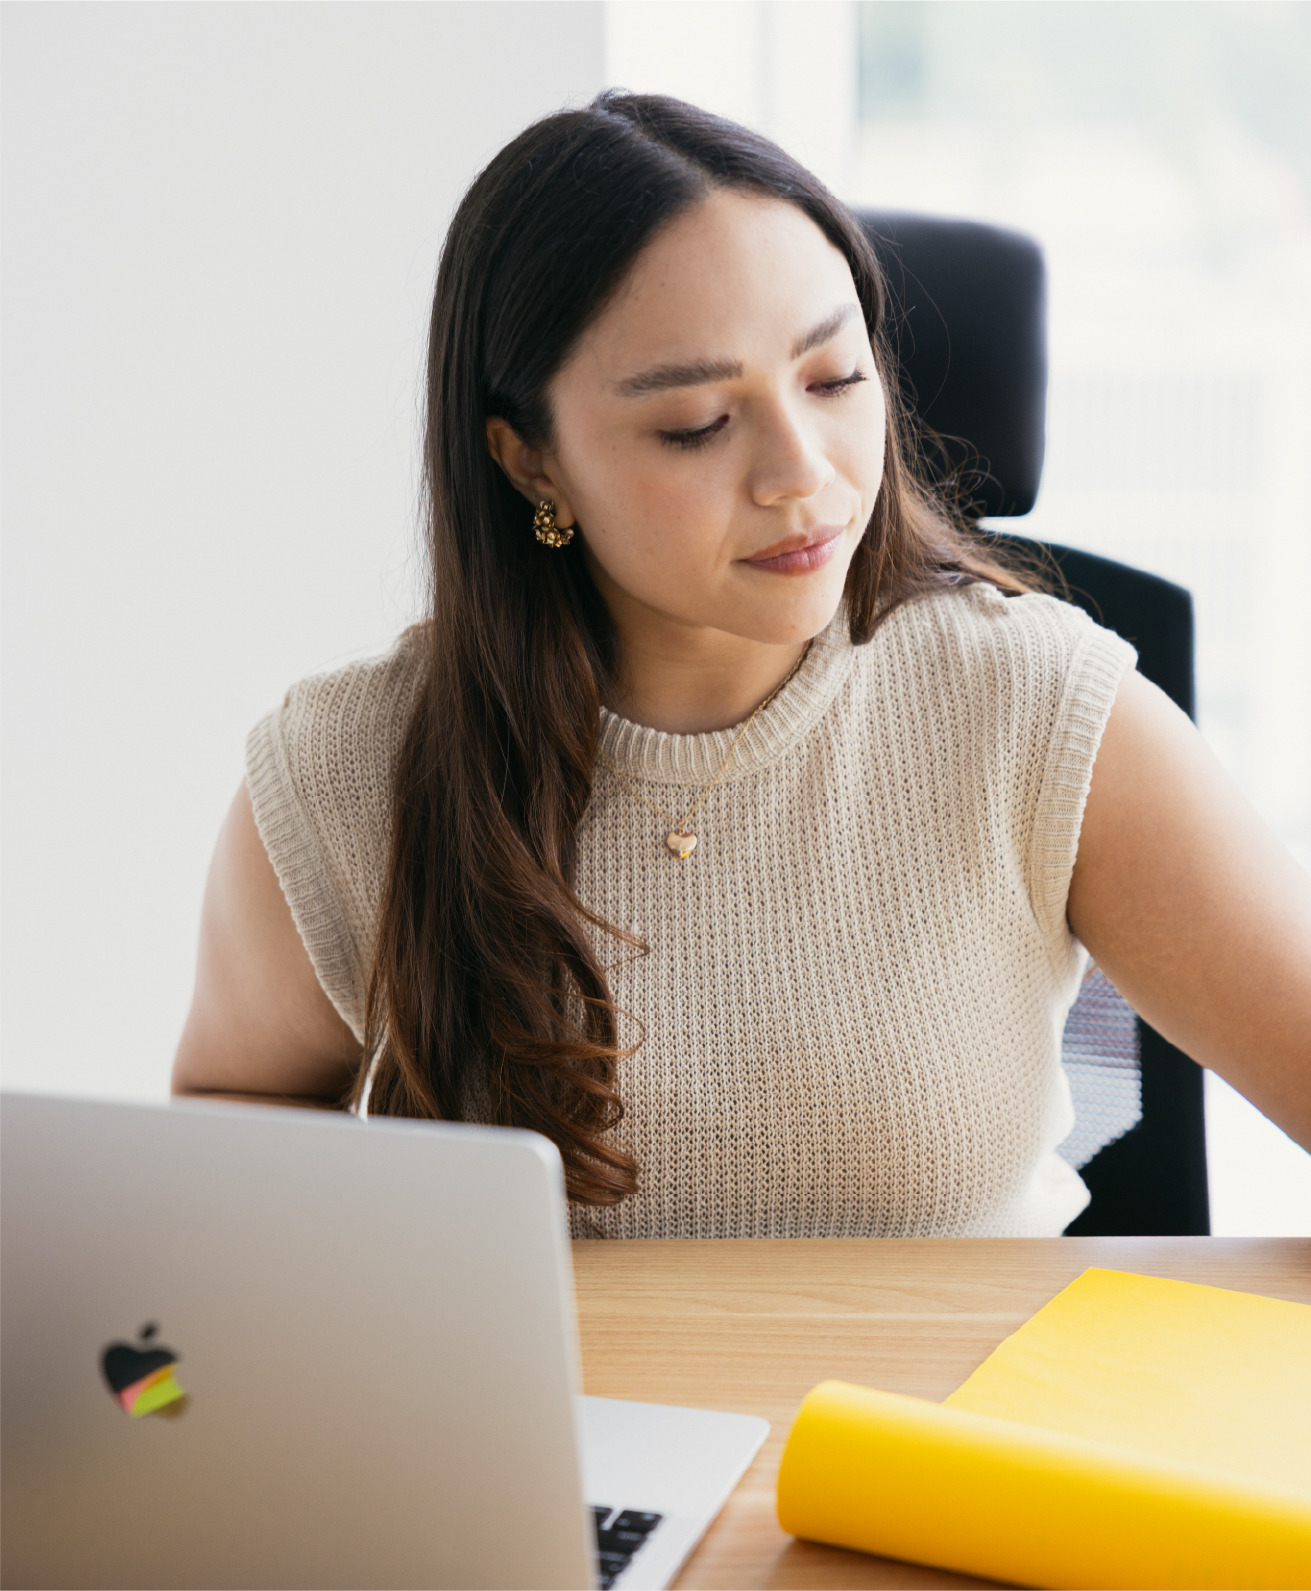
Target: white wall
(784, 67)
(221, 224)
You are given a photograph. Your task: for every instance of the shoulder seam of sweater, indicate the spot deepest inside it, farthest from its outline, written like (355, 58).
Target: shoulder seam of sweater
(291, 842)
(1097, 663)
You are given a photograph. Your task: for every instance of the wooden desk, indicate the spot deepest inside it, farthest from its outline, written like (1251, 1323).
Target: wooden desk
(752, 1325)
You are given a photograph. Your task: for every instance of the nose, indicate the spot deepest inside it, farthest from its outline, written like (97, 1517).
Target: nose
(790, 461)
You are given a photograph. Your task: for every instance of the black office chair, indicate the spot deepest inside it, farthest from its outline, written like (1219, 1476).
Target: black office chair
(968, 320)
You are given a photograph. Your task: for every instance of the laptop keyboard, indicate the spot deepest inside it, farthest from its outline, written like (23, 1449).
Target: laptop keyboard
(619, 1533)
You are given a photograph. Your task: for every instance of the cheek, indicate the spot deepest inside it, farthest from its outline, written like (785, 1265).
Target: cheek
(641, 509)
(863, 444)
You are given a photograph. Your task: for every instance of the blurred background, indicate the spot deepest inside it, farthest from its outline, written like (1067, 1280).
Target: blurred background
(220, 230)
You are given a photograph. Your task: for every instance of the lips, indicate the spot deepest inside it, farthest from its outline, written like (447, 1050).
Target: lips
(798, 554)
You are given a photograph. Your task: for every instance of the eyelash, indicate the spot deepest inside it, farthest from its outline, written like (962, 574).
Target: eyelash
(695, 439)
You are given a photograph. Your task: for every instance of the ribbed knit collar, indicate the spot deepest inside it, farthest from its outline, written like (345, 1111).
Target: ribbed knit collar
(660, 758)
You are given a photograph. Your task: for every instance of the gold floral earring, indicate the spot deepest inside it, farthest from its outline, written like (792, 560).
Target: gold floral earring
(545, 528)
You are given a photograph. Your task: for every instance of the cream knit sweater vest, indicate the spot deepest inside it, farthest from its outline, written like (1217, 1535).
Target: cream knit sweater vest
(856, 985)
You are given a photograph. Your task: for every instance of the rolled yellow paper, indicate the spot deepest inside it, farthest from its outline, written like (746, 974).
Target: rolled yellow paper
(907, 1479)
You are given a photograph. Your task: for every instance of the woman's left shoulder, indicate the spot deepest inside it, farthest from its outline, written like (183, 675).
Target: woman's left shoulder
(975, 630)
(981, 610)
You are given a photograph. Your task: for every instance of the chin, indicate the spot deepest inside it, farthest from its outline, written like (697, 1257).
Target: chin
(797, 613)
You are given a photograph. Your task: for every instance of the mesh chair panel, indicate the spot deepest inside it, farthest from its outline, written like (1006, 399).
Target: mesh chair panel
(1101, 1056)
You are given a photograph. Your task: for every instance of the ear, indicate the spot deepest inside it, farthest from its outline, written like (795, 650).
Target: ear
(528, 469)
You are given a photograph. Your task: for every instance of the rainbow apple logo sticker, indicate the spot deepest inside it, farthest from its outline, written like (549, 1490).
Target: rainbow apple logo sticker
(141, 1377)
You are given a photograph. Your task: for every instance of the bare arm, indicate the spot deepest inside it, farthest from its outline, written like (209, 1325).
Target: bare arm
(260, 1025)
(1193, 909)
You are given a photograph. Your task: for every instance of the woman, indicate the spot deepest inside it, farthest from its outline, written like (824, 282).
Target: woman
(733, 820)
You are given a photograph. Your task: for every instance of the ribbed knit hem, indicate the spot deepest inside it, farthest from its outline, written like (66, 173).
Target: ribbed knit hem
(290, 839)
(692, 760)
(1094, 675)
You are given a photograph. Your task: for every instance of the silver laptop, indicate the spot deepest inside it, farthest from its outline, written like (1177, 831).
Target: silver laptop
(246, 1346)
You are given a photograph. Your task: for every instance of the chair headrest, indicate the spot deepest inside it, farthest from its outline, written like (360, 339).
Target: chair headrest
(969, 327)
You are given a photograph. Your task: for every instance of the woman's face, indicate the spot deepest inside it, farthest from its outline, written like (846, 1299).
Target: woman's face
(719, 430)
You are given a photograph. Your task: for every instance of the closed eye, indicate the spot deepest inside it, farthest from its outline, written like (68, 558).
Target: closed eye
(852, 380)
(707, 433)
(691, 439)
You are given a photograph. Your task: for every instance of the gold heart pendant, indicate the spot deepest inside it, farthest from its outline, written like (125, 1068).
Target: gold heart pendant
(682, 845)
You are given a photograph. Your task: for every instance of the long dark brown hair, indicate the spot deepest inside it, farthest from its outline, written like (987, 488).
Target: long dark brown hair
(487, 999)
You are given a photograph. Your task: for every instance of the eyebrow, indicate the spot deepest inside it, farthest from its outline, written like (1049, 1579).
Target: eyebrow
(661, 377)
(698, 373)
(827, 329)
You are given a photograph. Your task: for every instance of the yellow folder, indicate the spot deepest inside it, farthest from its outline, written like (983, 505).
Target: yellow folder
(1135, 1432)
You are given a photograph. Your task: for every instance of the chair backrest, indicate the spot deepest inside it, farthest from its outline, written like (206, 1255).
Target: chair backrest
(969, 328)
(968, 319)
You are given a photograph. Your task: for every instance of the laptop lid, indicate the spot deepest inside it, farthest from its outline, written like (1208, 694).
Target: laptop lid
(246, 1346)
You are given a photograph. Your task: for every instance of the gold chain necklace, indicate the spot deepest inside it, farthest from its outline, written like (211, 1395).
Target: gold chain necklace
(680, 841)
